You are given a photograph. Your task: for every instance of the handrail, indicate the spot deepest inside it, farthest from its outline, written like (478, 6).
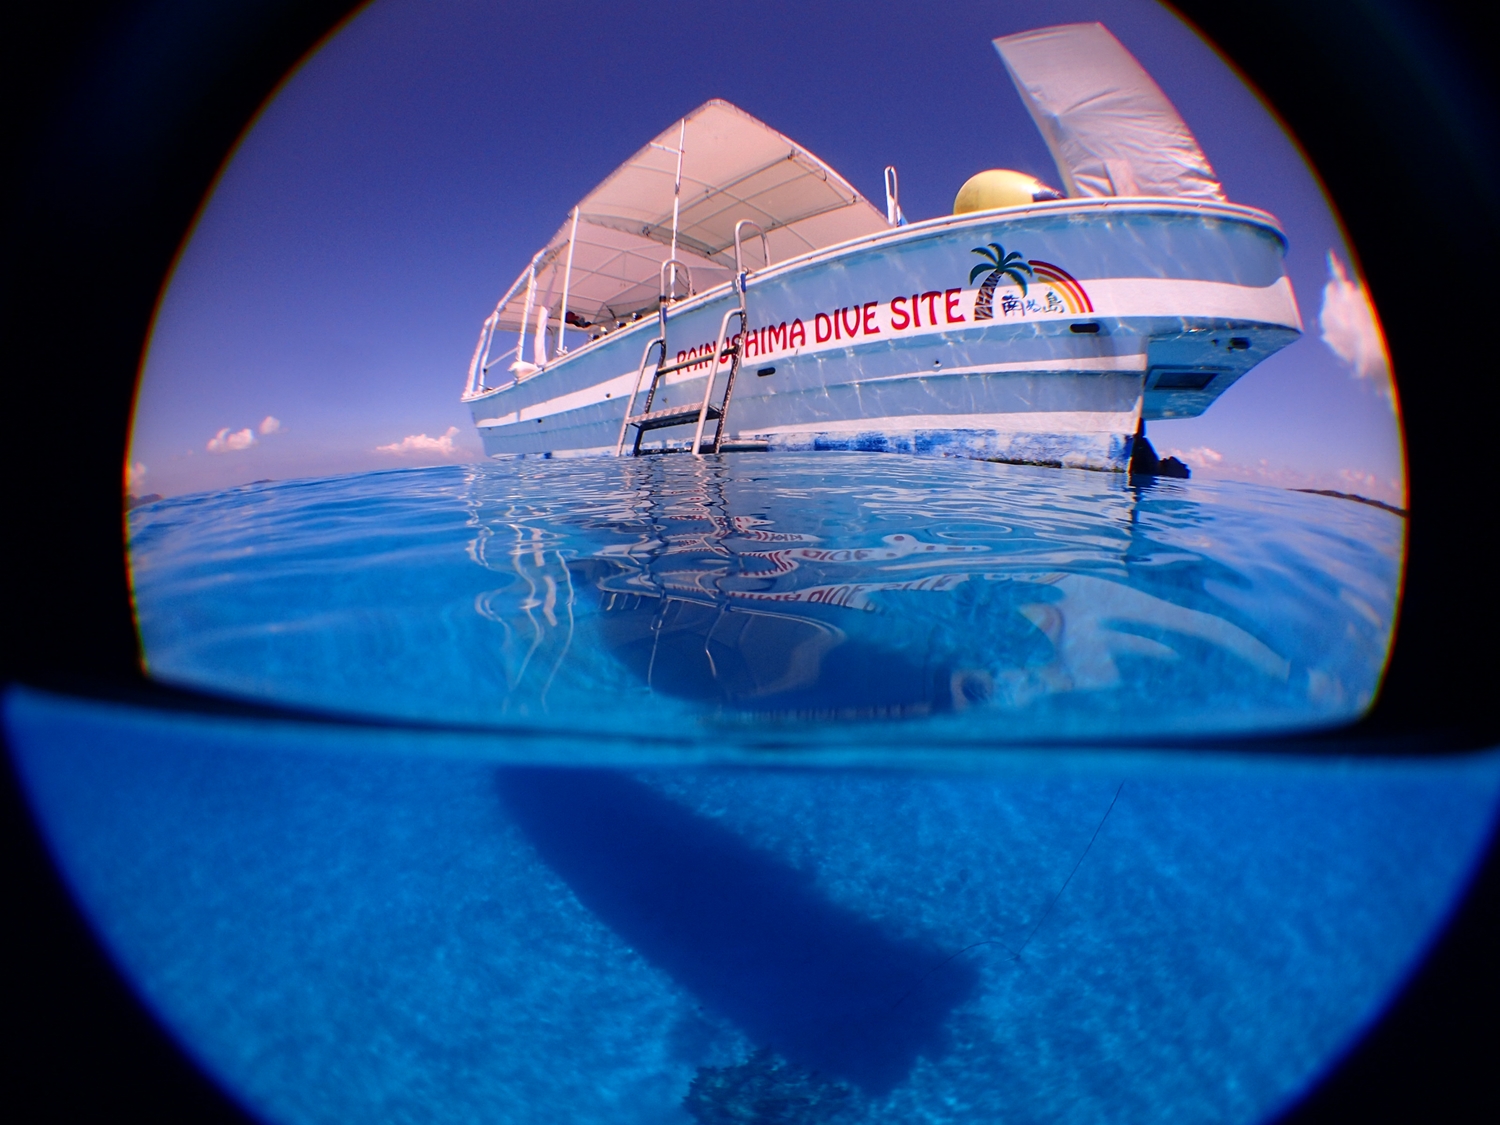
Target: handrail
(663, 299)
(639, 375)
(893, 214)
(562, 316)
(713, 373)
(662, 286)
(498, 359)
(477, 368)
(765, 246)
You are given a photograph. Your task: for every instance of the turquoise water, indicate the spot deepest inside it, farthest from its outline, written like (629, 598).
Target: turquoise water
(736, 794)
(820, 596)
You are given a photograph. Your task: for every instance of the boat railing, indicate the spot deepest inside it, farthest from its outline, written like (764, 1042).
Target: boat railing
(668, 290)
(495, 360)
(478, 365)
(893, 215)
(739, 256)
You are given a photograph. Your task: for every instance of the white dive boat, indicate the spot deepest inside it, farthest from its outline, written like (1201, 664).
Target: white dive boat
(724, 289)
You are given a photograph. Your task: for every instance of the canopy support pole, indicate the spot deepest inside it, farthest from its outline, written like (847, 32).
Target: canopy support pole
(676, 191)
(562, 316)
(526, 315)
(677, 196)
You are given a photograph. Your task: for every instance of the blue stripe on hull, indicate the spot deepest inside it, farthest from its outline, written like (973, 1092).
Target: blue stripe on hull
(1108, 452)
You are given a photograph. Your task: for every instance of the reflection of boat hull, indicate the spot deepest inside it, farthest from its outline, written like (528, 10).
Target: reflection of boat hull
(1131, 309)
(758, 660)
(754, 587)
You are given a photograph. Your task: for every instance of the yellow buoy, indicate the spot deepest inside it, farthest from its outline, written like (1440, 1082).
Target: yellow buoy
(1000, 187)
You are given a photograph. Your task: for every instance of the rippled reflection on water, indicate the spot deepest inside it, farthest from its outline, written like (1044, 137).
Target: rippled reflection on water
(985, 601)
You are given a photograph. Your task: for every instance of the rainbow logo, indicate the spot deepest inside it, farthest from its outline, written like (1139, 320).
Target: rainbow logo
(1073, 294)
(997, 265)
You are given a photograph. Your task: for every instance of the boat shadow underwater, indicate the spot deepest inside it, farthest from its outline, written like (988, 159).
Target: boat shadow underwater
(751, 937)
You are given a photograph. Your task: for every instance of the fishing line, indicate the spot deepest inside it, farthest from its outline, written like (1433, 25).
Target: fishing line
(1016, 953)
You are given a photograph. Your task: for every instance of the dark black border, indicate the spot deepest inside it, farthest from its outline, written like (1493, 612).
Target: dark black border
(120, 114)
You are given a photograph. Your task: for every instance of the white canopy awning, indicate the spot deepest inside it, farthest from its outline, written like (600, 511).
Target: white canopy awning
(733, 167)
(1110, 128)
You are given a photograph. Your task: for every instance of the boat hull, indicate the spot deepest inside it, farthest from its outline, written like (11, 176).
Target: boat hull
(1110, 312)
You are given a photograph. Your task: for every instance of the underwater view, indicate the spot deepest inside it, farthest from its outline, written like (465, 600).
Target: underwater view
(372, 924)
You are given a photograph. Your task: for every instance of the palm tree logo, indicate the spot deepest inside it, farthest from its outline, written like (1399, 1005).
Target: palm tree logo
(998, 264)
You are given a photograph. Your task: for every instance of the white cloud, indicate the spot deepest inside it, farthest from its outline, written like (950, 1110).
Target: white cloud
(1360, 481)
(1350, 327)
(421, 443)
(1214, 465)
(135, 477)
(270, 425)
(226, 442)
(1200, 456)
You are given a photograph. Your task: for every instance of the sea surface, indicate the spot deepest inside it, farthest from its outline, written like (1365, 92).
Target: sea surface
(816, 596)
(804, 789)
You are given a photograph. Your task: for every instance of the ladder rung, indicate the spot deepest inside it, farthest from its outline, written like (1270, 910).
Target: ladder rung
(658, 419)
(671, 367)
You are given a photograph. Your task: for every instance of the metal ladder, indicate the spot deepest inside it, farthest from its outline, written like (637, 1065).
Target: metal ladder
(650, 419)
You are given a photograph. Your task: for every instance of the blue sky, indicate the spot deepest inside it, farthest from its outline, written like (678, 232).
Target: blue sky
(327, 301)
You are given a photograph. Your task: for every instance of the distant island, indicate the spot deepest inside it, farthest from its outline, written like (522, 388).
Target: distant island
(137, 501)
(1357, 499)
(1145, 463)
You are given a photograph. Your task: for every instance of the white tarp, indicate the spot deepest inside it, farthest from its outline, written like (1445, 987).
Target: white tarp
(734, 167)
(1110, 128)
